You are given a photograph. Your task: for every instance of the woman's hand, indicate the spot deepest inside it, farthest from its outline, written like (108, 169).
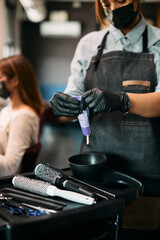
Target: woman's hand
(101, 100)
(65, 105)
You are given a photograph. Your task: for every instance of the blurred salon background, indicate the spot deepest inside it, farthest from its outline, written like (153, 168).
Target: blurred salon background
(47, 33)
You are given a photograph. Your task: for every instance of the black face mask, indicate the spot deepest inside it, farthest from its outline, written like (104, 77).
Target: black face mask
(124, 17)
(4, 93)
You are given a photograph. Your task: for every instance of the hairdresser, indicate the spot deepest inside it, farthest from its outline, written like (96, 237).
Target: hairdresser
(117, 72)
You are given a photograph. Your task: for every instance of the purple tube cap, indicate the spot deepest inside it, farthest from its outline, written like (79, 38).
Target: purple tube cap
(86, 131)
(78, 97)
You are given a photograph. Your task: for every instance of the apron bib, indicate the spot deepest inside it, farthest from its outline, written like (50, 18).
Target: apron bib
(131, 142)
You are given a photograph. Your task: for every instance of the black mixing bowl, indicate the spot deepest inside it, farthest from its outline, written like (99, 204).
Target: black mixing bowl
(88, 165)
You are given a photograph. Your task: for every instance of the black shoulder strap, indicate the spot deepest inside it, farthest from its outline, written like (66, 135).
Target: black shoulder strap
(100, 49)
(145, 40)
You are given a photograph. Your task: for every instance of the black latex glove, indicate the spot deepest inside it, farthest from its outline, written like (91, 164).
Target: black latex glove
(101, 100)
(65, 105)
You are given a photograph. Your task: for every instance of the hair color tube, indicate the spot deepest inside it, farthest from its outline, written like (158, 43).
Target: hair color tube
(84, 122)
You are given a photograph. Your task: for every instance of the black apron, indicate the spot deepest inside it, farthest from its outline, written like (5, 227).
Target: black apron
(131, 142)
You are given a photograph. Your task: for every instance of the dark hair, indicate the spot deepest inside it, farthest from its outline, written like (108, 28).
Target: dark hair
(28, 90)
(100, 16)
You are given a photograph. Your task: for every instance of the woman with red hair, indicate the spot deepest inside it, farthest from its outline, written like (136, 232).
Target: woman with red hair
(19, 121)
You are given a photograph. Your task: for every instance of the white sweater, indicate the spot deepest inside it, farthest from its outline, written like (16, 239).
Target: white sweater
(18, 131)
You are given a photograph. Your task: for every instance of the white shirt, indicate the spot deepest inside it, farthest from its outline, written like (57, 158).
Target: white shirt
(18, 131)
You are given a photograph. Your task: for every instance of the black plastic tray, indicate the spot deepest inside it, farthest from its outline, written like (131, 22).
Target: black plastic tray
(112, 184)
(72, 216)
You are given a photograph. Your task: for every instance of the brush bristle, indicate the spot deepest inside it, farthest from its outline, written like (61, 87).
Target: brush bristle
(31, 185)
(47, 172)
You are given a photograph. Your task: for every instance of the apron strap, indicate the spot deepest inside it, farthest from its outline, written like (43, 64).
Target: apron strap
(145, 40)
(100, 50)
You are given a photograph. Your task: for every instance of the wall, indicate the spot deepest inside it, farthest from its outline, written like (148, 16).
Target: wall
(2, 26)
(151, 11)
(158, 16)
(51, 57)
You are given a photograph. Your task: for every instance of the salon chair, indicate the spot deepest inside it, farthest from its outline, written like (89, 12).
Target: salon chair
(47, 117)
(31, 155)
